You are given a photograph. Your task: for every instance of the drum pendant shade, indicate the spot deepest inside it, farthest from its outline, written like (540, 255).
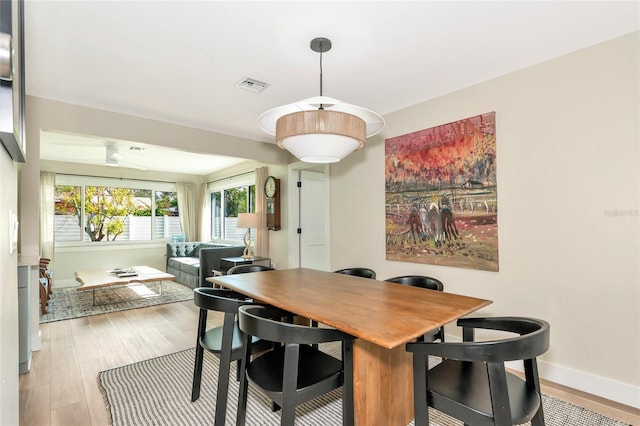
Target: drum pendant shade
(320, 129)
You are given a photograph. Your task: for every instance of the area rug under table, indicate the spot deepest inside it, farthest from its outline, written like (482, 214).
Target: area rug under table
(67, 303)
(158, 391)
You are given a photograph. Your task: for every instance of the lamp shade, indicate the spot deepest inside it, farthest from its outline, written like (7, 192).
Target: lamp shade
(320, 136)
(321, 129)
(248, 220)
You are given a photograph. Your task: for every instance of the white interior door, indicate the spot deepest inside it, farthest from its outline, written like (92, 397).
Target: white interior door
(313, 231)
(309, 214)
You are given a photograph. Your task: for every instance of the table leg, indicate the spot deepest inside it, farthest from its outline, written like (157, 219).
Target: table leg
(383, 384)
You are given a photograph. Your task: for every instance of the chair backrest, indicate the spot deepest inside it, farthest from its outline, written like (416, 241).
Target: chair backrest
(297, 371)
(217, 299)
(244, 269)
(265, 322)
(533, 340)
(358, 272)
(418, 281)
(224, 340)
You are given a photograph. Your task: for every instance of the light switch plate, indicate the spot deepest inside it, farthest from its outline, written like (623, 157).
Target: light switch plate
(13, 231)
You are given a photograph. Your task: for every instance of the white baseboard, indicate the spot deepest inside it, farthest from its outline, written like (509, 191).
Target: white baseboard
(613, 390)
(603, 387)
(36, 342)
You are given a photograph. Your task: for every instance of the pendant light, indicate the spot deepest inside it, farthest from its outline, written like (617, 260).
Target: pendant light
(320, 129)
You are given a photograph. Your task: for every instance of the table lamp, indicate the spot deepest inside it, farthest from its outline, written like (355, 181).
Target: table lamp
(248, 220)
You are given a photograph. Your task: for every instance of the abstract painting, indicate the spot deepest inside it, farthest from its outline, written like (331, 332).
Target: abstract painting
(441, 195)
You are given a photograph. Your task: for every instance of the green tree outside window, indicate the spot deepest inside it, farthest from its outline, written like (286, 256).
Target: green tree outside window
(106, 208)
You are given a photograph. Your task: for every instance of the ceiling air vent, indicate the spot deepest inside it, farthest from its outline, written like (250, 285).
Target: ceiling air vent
(252, 85)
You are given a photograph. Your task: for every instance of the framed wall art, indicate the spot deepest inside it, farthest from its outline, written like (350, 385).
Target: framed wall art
(441, 195)
(12, 91)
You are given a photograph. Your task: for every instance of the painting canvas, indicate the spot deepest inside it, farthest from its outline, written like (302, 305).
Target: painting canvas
(441, 195)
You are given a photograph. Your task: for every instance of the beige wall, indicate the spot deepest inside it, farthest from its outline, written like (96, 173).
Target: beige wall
(568, 158)
(8, 295)
(46, 114)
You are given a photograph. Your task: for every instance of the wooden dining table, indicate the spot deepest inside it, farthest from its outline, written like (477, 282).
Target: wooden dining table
(384, 316)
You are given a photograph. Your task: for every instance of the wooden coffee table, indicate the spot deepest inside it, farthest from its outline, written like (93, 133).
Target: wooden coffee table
(92, 280)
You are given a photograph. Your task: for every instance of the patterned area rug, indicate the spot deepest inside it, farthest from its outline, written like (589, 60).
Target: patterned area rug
(158, 391)
(67, 303)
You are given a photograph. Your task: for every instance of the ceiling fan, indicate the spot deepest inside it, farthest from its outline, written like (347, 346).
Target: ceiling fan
(71, 148)
(114, 158)
(88, 151)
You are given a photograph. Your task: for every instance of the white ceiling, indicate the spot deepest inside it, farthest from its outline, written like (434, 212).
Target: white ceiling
(66, 147)
(180, 61)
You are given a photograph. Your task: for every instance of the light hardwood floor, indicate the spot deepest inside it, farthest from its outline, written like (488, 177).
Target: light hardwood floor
(62, 386)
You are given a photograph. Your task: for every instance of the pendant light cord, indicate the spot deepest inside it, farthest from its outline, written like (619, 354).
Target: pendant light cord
(321, 107)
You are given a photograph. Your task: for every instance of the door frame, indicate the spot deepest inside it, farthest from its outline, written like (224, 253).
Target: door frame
(293, 173)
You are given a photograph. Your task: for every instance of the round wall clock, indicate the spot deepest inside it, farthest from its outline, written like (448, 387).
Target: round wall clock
(270, 187)
(272, 194)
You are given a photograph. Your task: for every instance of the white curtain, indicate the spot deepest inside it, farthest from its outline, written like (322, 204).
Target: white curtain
(47, 212)
(262, 234)
(188, 207)
(205, 214)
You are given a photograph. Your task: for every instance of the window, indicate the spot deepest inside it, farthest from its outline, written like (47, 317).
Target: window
(237, 196)
(68, 211)
(99, 211)
(166, 215)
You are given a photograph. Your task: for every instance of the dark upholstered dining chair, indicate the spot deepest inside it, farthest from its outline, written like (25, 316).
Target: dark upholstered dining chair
(472, 384)
(422, 281)
(358, 272)
(245, 269)
(223, 341)
(295, 372)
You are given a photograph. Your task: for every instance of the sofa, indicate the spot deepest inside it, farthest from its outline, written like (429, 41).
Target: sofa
(193, 261)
